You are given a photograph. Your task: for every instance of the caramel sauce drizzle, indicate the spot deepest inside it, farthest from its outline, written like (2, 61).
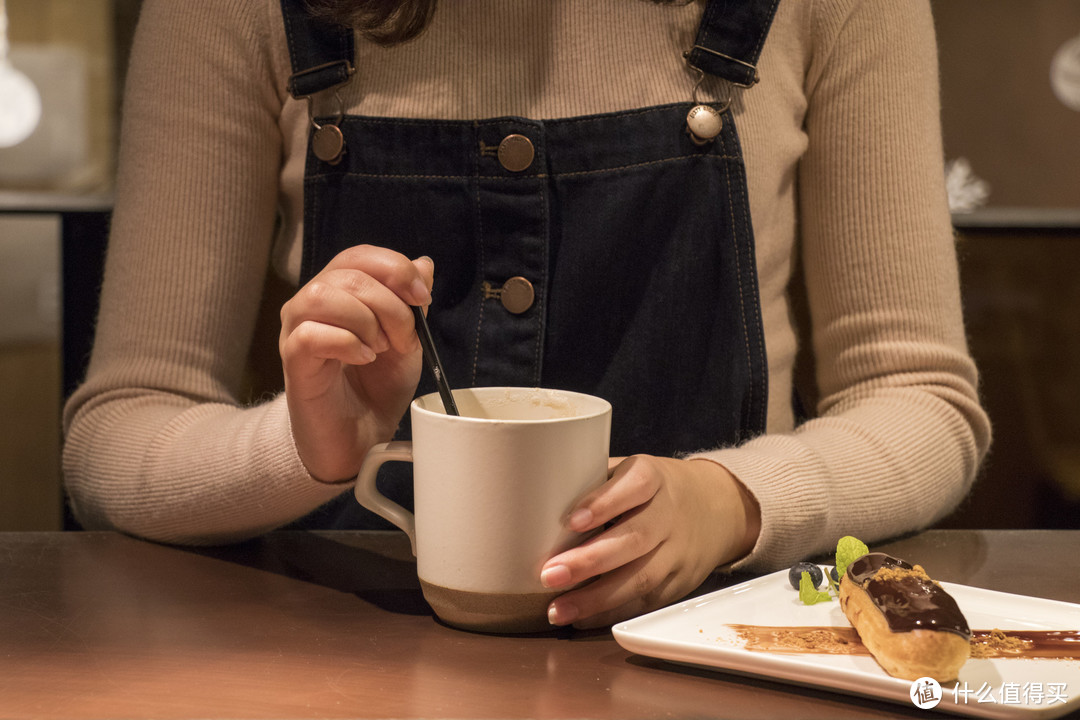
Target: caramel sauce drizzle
(812, 639)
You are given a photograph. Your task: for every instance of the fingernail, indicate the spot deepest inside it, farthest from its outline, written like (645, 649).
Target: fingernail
(428, 258)
(367, 355)
(562, 613)
(580, 520)
(555, 576)
(382, 342)
(420, 294)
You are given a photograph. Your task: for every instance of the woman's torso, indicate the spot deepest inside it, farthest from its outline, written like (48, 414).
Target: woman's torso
(566, 59)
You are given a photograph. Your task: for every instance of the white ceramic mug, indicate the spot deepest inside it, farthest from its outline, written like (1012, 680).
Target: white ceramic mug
(492, 491)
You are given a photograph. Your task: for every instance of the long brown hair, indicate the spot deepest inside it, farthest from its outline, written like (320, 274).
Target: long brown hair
(388, 22)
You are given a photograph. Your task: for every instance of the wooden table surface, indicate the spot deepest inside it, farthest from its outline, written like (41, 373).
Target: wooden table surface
(332, 625)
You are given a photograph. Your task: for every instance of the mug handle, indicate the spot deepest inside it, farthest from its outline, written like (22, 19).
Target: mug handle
(369, 496)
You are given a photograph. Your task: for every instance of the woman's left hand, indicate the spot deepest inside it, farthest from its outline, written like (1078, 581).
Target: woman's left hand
(675, 521)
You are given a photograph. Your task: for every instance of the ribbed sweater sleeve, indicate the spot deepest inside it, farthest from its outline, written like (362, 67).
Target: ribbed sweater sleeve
(157, 444)
(900, 432)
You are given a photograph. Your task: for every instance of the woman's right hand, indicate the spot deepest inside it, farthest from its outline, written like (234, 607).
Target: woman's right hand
(351, 356)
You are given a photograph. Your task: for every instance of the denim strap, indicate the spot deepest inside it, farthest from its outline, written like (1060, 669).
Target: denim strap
(730, 38)
(728, 44)
(321, 52)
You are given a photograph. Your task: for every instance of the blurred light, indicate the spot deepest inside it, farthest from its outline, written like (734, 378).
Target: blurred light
(1065, 74)
(20, 106)
(20, 102)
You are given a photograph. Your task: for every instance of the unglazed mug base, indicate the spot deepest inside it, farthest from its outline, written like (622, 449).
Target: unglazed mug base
(490, 612)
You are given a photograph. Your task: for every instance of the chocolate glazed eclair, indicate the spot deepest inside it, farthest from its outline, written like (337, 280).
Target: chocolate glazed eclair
(907, 621)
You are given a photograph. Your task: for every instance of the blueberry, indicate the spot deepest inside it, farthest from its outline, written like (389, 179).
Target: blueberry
(796, 571)
(835, 575)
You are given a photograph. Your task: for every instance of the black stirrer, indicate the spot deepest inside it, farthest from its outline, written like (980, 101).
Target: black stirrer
(433, 363)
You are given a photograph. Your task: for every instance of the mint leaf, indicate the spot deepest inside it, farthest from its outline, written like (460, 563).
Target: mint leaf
(848, 549)
(809, 594)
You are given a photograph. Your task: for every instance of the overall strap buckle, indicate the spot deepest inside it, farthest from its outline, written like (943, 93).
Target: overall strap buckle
(321, 54)
(730, 38)
(737, 72)
(728, 44)
(316, 79)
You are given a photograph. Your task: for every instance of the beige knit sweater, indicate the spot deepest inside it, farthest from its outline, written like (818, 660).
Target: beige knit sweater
(842, 144)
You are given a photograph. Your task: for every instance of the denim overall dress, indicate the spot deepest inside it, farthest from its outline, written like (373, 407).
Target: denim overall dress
(608, 254)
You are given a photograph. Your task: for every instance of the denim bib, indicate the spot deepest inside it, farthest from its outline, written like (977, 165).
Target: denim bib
(609, 254)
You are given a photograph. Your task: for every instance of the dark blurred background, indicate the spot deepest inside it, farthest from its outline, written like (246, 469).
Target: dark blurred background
(1010, 84)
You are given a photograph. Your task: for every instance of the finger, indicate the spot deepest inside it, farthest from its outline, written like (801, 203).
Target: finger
(631, 589)
(663, 594)
(343, 301)
(308, 350)
(426, 266)
(631, 484)
(393, 315)
(625, 542)
(390, 268)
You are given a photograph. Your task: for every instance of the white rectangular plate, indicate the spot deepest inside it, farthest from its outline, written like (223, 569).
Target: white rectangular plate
(696, 632)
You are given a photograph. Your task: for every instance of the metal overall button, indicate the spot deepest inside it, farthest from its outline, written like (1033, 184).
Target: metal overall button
(327, 141)
(516, 294)
(516, 152)
(703, 123)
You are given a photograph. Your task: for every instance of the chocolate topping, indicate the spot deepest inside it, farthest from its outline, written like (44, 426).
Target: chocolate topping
(908, 600)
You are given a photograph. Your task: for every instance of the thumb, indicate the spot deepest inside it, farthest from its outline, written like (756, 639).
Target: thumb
(426, 268)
